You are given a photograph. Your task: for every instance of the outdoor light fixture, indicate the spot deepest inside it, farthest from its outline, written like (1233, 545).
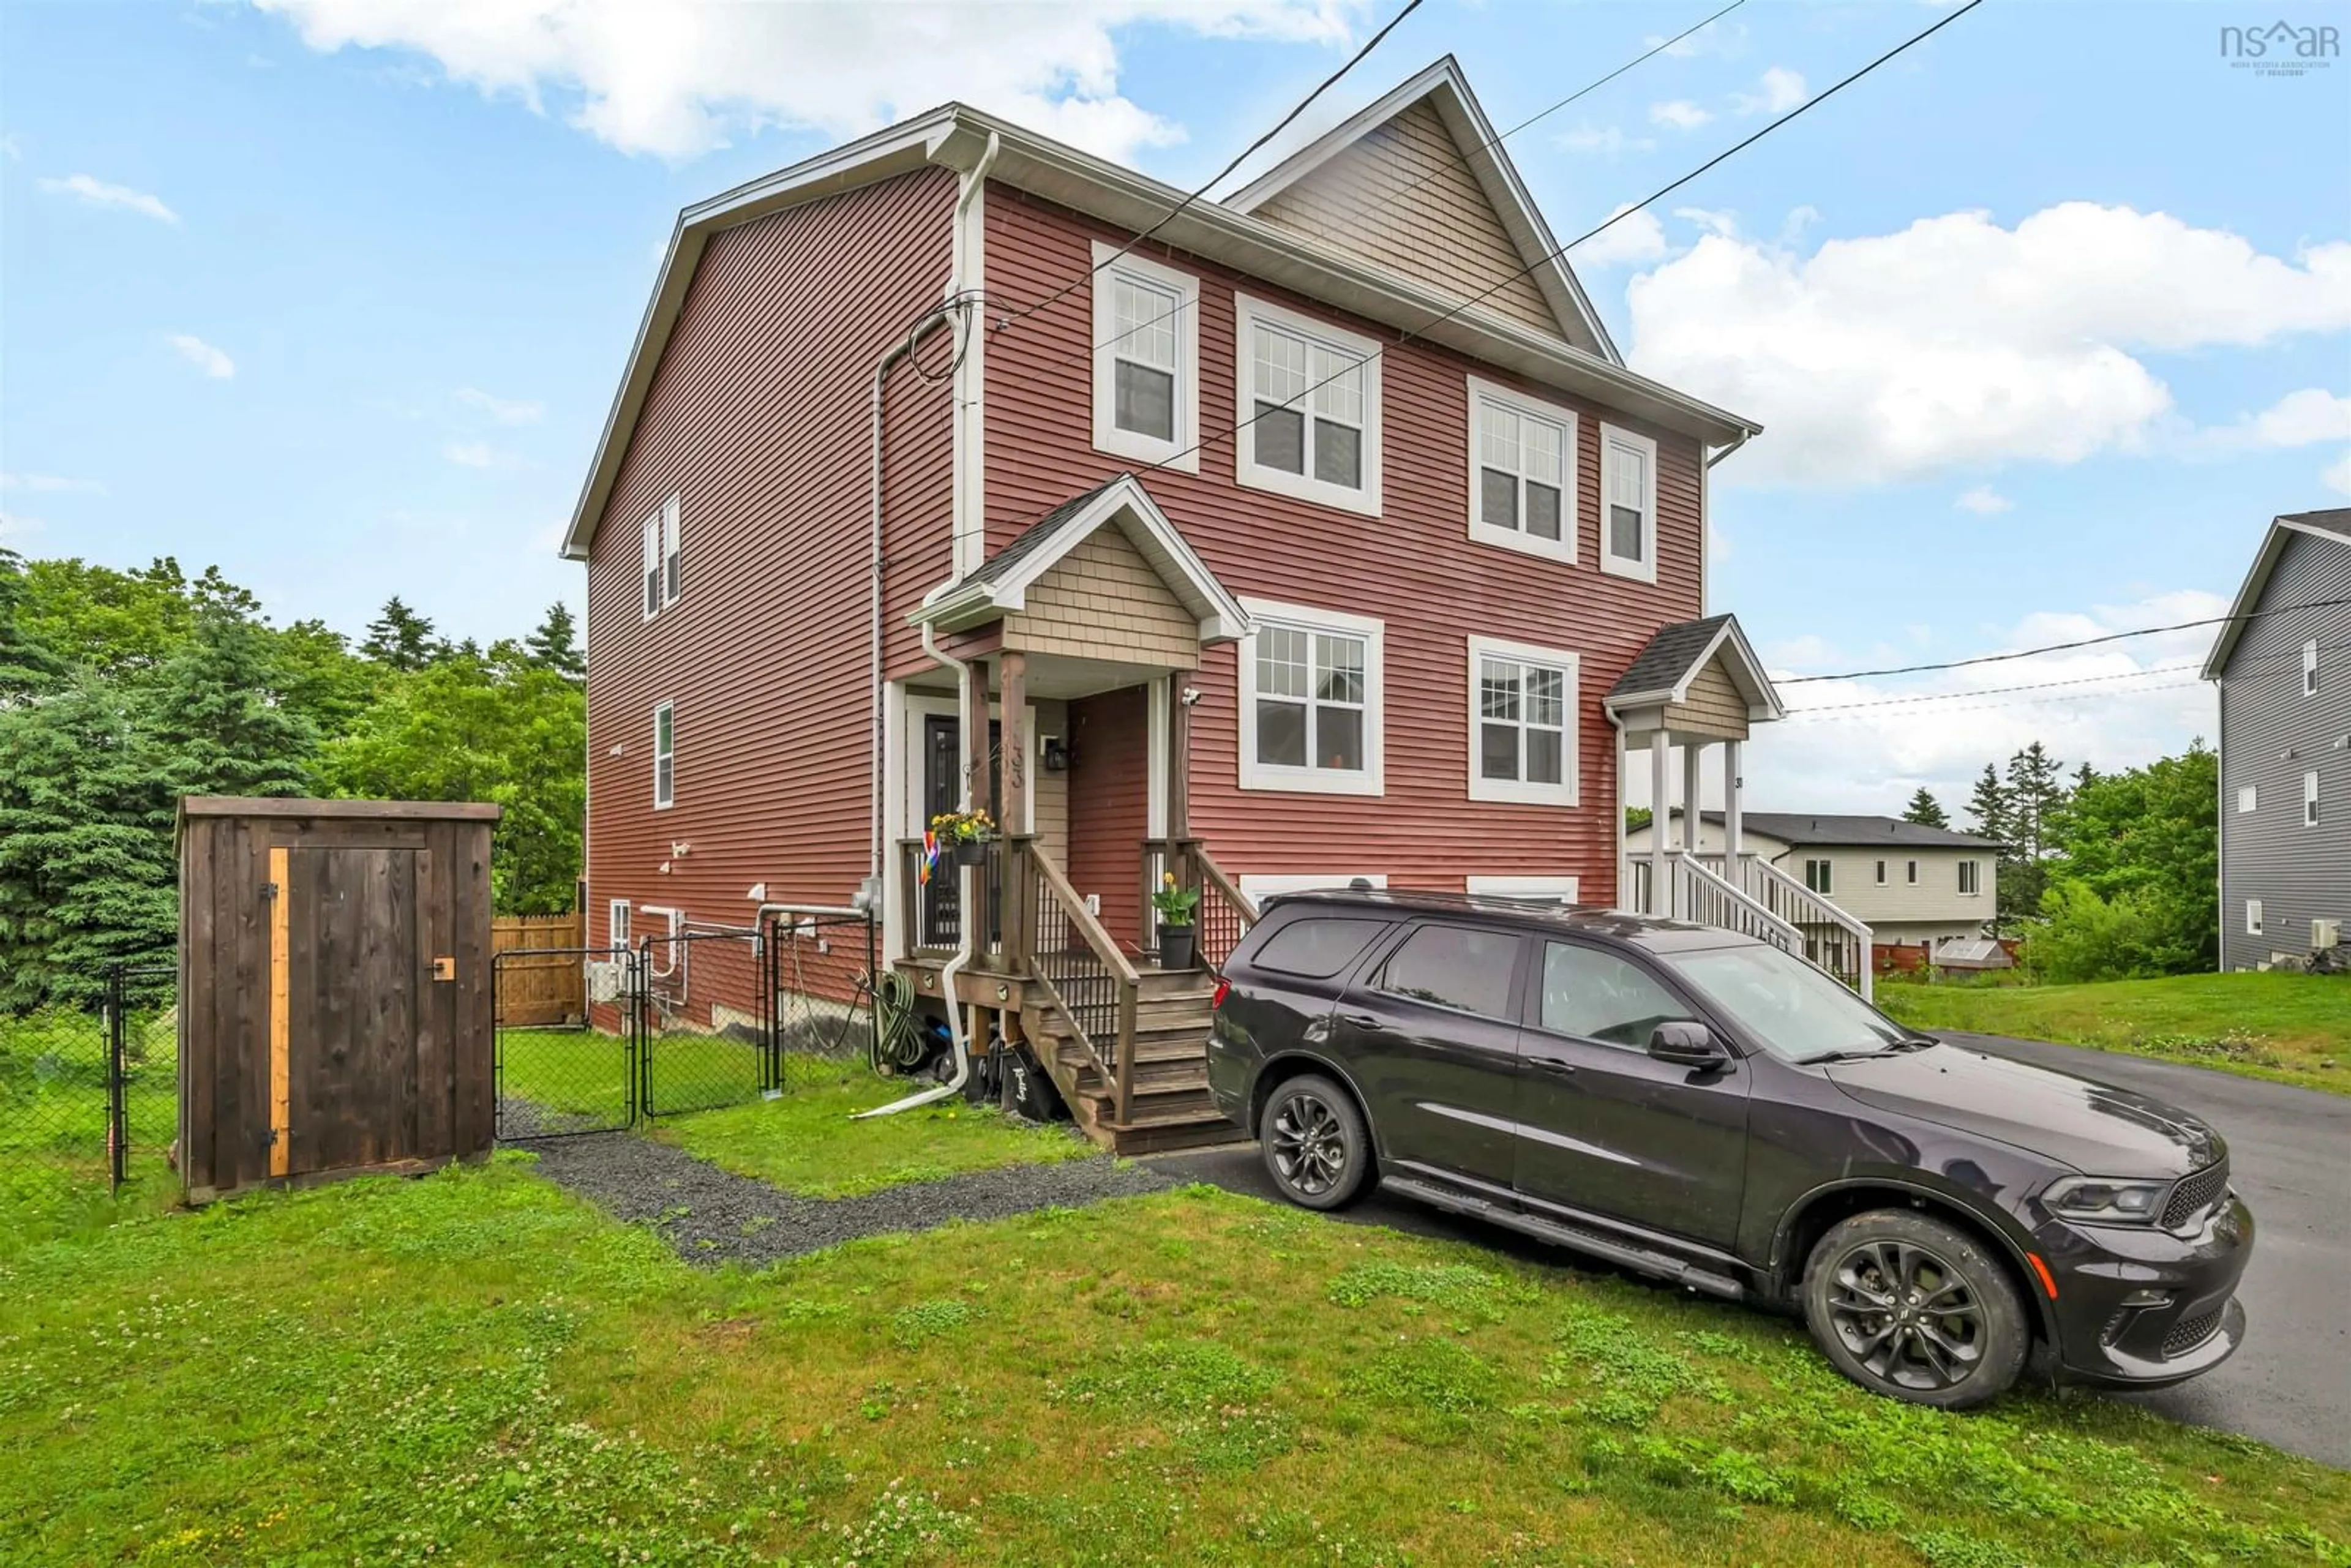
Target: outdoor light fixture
(1056, 753)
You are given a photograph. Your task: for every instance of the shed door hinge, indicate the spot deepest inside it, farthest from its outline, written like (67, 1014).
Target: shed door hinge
(270, 890)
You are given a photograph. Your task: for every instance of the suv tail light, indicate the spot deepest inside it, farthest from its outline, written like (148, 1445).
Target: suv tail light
(1217, 998)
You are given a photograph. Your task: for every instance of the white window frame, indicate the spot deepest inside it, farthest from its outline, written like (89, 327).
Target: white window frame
(1256, 775)
(2310, 668)
(1969, 871)
(1910, 873)
(1521, 791)
(2249, 799)
(1249, 314)
(1183, 452)
(673, 555)
(1612, 439)
(1827, 886)
(1487, 397)
(649, 577)
(2252, 917)
(617, 935)
(1881, 874)
(665, 799)
(2310, 799)
(1531, 889)
(1260, 885)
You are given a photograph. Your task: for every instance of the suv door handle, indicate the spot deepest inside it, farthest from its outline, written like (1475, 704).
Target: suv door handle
(1361, 1020)
(1551, 1064)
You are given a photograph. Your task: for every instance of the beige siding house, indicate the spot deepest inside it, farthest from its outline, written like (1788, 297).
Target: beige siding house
(1908, 884)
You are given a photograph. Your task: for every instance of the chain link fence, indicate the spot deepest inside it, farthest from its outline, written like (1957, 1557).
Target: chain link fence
(89, 1096)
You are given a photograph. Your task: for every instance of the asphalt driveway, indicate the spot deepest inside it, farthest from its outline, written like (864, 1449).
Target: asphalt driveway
(2290, 1157)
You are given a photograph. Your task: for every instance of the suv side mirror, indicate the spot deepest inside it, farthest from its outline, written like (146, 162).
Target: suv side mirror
(1686, 1042)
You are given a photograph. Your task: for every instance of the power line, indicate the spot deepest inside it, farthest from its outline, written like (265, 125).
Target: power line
(1283, 124)
(2063, 647)
(1825, 716)
(1995, 691)
(1297, 399)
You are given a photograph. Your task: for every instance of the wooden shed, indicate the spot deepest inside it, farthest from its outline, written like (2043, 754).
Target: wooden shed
(334, 987)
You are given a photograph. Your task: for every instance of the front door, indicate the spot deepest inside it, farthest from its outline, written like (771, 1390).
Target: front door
(943, 792)
(1607, 1129)
(1431, 1037)
(350, 976)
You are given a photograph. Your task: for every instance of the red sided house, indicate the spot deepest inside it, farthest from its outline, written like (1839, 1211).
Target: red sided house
(1322, 535)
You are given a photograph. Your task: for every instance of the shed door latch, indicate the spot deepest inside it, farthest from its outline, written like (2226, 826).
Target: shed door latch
(268, 890)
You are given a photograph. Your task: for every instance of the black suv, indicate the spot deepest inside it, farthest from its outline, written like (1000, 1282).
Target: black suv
(1704, 1107)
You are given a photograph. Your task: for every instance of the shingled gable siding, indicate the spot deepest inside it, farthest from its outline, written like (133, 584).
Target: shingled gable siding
(759, 420)
(1412, 568)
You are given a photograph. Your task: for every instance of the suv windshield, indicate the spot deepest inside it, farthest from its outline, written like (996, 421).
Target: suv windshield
(1796, 1011)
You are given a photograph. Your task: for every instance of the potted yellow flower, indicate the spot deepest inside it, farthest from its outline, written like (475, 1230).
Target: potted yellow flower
(964, 835)
(1177, 932)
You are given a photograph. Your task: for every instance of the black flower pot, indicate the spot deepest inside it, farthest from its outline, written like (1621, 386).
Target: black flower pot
(1175, 951)
(971, 852)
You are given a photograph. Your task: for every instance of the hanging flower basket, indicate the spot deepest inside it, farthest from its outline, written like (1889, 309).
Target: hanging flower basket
(962, 837)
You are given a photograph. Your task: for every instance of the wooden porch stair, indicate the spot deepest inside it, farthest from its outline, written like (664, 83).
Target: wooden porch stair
(1171, 1108)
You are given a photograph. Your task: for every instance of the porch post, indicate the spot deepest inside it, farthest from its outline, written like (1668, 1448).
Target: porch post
(975, 739)
(1179, 761)
(1661, 802)
(1693, 757)
(1012, 693)
(1732, 836)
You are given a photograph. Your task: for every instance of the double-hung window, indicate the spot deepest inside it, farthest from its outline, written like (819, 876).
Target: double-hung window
(2252, 917)
(1970, 877)
(1310, 393)
(1147, 330)
(652, 565)
(2310, 800)
(1522, 704)
(1521, 472)
(665, 559)
(1816, 876)
(664, 756)
(616, 923)
(2310, 668)
(1310, 701)
(1628, 504)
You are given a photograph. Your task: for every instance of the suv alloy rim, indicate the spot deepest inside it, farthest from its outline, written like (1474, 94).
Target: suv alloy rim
(1908, 1316)
(1309, 1148)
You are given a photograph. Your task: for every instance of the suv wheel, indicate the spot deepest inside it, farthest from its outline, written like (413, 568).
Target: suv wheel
(1316, 1145)
(1915, 1308)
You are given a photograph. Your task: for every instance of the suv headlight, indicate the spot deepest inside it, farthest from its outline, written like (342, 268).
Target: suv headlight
(2106, 1200)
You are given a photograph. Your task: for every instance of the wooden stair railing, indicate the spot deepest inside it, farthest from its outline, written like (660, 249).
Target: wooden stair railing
(1224, 913)
(1073, 964)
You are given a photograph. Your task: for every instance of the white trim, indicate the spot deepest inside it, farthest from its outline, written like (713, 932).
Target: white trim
(661, 802)
(1910, 873)
(617, 933)
(648, 596)
(1255, 775)
(1154, 752)
(1248, 315)
(1764, 707)
(918, 706)
(2310, 668)
(1183, 451)
(1520, 791)
(1970, 870)
(1563, 889)
(2252, 917)
(1826, 887)
(673, 553)
(1259, 886)
(1614, 438)
(2249, 799)
(2310, 799)
(1881, 881)
(1485, 394)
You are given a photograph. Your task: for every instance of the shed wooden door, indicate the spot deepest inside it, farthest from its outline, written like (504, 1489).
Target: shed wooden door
(350, 979)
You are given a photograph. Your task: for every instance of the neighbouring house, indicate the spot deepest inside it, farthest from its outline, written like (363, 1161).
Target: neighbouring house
(1905, 883)
(2282, 661)
(1322, 535)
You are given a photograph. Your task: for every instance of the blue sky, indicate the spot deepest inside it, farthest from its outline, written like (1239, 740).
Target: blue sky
(2045, 319)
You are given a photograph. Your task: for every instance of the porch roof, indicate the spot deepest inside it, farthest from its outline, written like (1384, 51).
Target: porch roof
(1662, 672)
(1001, 583)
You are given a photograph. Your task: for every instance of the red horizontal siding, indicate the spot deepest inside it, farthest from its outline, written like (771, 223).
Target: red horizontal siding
(759, 420)
(1414, 567)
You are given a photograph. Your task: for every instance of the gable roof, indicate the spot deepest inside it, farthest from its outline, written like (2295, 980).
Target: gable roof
(2335, 524)
(1846, 830)
(955, 136)
(1662, 670)
(1002, 582)
(1442, 90)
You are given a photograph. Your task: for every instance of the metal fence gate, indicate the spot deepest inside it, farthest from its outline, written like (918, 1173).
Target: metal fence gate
(690, 1020)
(89, 1092)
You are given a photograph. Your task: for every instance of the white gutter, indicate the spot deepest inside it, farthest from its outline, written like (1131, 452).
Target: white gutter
(1744, 437)
(968, 935)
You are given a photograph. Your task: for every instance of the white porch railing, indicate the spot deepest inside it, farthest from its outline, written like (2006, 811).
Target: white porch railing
(1760, 900)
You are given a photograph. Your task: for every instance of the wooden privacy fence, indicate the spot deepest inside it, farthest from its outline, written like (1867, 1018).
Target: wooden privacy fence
(545, 982)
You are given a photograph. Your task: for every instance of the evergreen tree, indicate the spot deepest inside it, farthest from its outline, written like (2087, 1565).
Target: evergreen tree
(27, 663)
(2035, 792)
(2084, 777)
(217, 721)
(1925, 811)
(1987, 805)
(400, 638)
(556, 643)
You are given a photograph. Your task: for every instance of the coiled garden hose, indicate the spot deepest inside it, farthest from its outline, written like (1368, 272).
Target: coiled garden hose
(900, 1046)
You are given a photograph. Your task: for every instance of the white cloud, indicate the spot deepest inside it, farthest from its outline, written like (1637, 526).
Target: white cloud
(1782, 90)
(203, 355)
(1712, 221)
(469, 454)
(95, 193)
(1714, 39)
(679, 79)
(1610, 139)
(1638, 236)
(1984, 501)
(10, 147)
(2337, 475)
(505, 411)
(1956, 342)
(1680, 113)
(2301, 418)
(16, 526)
(49, 485)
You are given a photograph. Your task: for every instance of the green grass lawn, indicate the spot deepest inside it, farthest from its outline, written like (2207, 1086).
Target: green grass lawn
(475, 1367)
(2294, 1029)
(55, 1165)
